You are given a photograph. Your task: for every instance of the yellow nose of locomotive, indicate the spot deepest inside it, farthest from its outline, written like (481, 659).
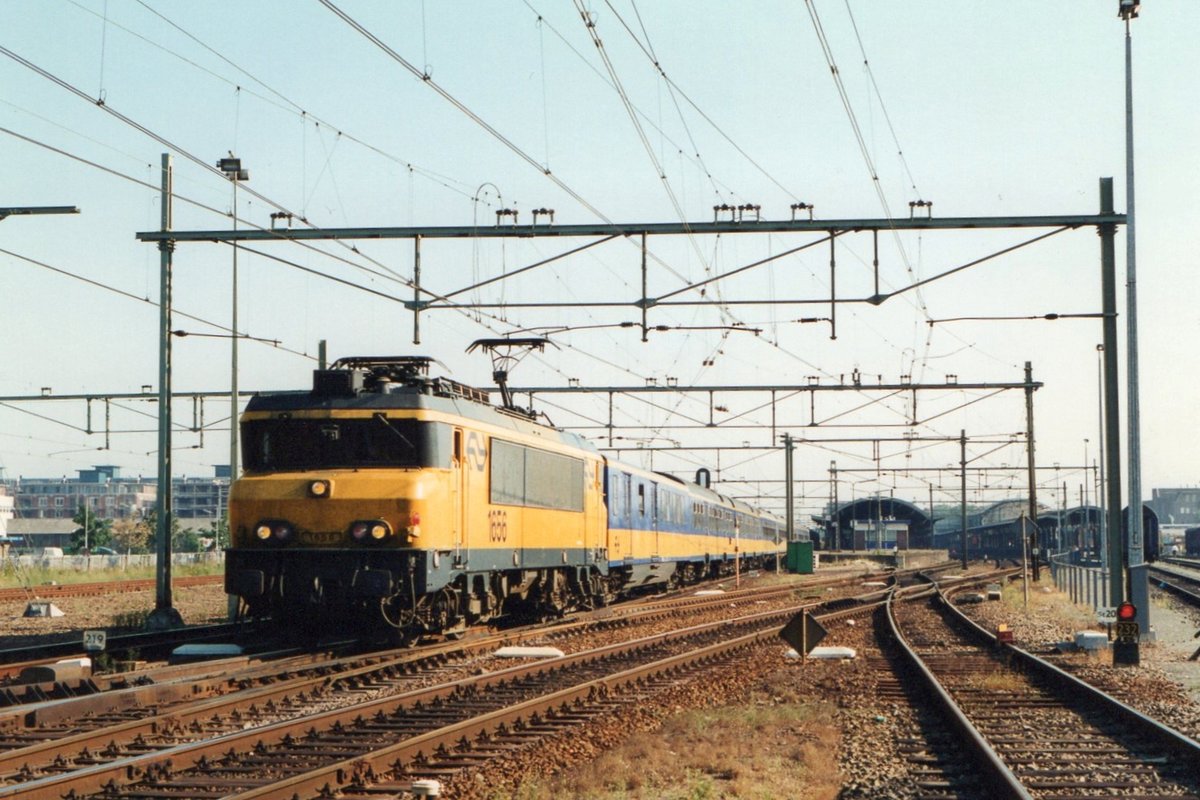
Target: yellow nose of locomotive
(355, 509)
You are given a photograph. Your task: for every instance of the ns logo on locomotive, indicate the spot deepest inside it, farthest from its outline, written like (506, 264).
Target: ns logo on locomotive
(404, 504)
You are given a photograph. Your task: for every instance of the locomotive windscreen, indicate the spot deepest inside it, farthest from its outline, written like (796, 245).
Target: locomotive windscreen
(273, 445)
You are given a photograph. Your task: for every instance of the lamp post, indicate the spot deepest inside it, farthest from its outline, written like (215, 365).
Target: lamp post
(1087, 512)
(1100, 498)
(833, 501)
(165, 615)
(1059, 524)
(1137, 590)
(232, 167)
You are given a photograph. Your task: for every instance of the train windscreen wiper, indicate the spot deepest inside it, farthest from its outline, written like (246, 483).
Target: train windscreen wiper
(381, 417)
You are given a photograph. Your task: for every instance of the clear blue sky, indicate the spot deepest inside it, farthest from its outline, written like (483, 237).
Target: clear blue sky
(999, 109)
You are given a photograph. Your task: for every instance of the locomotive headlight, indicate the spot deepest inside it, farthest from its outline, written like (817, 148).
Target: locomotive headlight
(273, 531)
(369, 531)
(320, 489)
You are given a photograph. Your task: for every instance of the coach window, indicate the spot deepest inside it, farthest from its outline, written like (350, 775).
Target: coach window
(642, 499)
(458, 446)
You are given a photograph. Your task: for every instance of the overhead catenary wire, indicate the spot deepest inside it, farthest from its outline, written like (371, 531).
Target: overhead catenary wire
(635, 10)
(879, 96)
(198, 204)
(229, 61)
(665, 182)
(131, 296)
(284, 103)
(454, 101)
(155, 188)
(647, 49)
(462, 107)
(646, 119)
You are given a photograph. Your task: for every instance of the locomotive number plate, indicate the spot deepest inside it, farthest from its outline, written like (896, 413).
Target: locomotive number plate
(498, 526)
(319, 537)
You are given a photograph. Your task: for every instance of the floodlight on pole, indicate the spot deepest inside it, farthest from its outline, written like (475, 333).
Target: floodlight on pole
(232, 167)
(1137, 588)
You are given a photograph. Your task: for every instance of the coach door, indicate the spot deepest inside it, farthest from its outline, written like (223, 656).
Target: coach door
(458, 492)
(656, 510)
(617, 498)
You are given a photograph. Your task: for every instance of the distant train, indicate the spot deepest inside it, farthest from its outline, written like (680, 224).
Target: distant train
(387, 498)
(1191, 542)
(1079, 532)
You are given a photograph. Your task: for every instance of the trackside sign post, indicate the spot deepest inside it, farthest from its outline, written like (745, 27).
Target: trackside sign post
(95, 641)
(803, 632)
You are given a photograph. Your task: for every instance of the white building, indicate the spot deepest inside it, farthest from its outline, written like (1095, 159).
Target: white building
(6, 510)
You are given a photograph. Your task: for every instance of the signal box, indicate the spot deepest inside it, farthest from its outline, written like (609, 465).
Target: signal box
(1125, 648)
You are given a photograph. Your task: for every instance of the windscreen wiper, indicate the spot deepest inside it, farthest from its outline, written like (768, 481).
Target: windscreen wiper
(381, 417)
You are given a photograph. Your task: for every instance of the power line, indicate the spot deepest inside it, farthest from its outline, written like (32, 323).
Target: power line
(286, 104)
(879, 96)
(108, 288)
(308, 246)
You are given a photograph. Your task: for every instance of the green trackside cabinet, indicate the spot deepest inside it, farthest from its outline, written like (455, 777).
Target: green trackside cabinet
(800, 557)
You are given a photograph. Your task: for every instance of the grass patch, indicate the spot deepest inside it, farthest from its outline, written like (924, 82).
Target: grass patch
(1001, 682)
(767, 748)
(13, 576)
(1078, 617)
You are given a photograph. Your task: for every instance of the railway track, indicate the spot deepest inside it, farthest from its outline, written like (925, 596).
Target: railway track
(1034, 731)
(146, 644)
(48, 741)
(160, 716)
(1184, 584)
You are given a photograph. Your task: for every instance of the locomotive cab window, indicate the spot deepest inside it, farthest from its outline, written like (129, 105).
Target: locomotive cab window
(297, 444)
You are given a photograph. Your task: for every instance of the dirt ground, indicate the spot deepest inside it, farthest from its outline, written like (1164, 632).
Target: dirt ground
(196, 604)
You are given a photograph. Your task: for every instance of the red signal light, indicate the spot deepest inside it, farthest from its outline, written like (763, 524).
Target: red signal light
(1126, 612)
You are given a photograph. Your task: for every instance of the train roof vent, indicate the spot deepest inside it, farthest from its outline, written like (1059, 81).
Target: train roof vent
(397, 368)
(384, 373)
(337, 382)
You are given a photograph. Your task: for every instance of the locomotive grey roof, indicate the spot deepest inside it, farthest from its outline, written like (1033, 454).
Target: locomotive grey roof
(416, 392)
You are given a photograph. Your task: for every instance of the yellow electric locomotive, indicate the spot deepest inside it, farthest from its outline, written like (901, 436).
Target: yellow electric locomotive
(387, 498)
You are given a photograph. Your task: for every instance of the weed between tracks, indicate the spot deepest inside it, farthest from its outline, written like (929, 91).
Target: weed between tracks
(1044, 596)
(772, 744)
(1001, 682)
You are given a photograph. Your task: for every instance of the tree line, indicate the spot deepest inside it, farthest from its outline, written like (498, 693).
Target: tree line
(137, 534)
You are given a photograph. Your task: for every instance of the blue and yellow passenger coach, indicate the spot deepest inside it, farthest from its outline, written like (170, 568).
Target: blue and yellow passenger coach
(384, 498)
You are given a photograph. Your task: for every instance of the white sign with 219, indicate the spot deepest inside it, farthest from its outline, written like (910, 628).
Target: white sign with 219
(95, 641)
